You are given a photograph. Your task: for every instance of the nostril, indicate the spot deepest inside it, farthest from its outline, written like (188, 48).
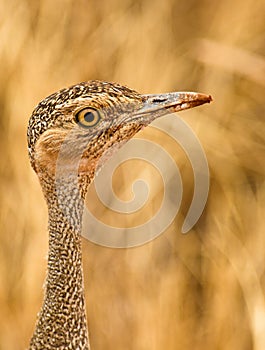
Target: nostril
(158, 100)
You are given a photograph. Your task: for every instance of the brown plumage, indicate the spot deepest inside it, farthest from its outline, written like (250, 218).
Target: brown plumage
(68, 133)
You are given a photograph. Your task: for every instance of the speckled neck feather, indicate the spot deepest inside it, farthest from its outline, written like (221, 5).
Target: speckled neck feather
(62, 320)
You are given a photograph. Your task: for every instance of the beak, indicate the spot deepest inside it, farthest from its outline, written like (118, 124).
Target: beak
(174, 101)
(155, 106)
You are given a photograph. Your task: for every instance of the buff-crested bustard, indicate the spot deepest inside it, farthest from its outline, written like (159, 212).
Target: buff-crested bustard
(82, 121)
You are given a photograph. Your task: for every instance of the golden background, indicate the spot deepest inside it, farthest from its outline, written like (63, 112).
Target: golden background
(203, 290)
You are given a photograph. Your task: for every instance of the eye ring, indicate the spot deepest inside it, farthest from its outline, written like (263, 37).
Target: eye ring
(88, 117)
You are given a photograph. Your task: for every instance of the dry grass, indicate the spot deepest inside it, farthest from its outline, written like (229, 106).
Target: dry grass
(204, 290)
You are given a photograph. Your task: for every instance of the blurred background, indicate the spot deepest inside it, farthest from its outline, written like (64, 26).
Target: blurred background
(204, 290)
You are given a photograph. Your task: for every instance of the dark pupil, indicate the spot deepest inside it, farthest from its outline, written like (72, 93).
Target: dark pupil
(89, 117)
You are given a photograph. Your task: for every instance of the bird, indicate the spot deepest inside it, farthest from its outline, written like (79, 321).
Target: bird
(68, 134)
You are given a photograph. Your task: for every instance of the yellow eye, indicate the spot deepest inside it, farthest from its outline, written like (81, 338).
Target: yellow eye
(88, 117)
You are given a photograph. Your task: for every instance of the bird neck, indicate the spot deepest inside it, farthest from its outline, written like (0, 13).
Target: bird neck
(62, 321)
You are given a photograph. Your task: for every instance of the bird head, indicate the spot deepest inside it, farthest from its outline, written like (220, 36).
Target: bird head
(79, 124)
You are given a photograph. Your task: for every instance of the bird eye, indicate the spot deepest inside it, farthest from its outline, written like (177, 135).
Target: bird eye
(88, 117)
